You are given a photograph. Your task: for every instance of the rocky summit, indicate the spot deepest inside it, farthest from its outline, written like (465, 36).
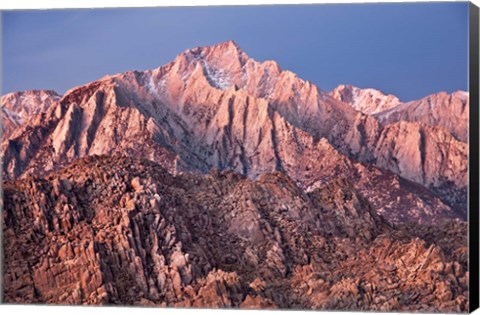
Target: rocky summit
(220, 181)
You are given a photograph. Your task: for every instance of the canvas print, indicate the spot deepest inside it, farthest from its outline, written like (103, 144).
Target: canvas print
(266, 157)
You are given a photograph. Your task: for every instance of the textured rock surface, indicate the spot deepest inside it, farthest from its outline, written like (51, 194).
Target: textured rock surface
(124, 231)
(214, 107)
(427, 155)
(220, 181)
(449, 111)
(17, 108)
(367, 101)
(424, 141)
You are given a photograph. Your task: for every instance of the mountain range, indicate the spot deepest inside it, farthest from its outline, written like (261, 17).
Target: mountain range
(215, 107)
(239, 162)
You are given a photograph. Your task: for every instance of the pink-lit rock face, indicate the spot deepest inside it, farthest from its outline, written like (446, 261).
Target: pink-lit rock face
(449, 111)
(116, 230)
(17, 108)
(215, 107)
(368, 101)
(220, 181)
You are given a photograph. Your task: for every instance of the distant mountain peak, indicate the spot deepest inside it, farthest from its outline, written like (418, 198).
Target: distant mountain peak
(368, 101)
(229, 44)
(18, 107)
(224, 65)
(228, 49)
(447, 110)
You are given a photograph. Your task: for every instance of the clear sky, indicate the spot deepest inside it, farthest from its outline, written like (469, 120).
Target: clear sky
(407, 49)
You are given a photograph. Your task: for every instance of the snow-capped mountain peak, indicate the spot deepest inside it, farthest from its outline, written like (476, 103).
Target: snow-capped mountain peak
(368, 101)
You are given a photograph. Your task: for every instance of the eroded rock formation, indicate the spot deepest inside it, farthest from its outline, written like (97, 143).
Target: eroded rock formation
(124, 231)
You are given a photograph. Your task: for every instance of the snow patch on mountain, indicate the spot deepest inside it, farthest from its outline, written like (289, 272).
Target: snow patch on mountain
(14, 117)
(151, 87)
(216, 77)
(368, 101)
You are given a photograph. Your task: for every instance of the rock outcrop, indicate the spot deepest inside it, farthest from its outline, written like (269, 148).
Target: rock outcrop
(449, 111)
(118, 230)
(17, 108)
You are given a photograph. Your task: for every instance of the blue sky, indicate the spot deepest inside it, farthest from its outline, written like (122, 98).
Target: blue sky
(407, 49)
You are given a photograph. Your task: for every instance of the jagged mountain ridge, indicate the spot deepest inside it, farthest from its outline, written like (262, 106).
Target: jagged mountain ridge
(216, 107)
(449, 111)
(17, 108)
(219, 240)
(368, 101)
(440, 115)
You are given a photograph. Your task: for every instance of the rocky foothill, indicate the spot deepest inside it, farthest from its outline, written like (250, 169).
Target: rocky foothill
(118, 230)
